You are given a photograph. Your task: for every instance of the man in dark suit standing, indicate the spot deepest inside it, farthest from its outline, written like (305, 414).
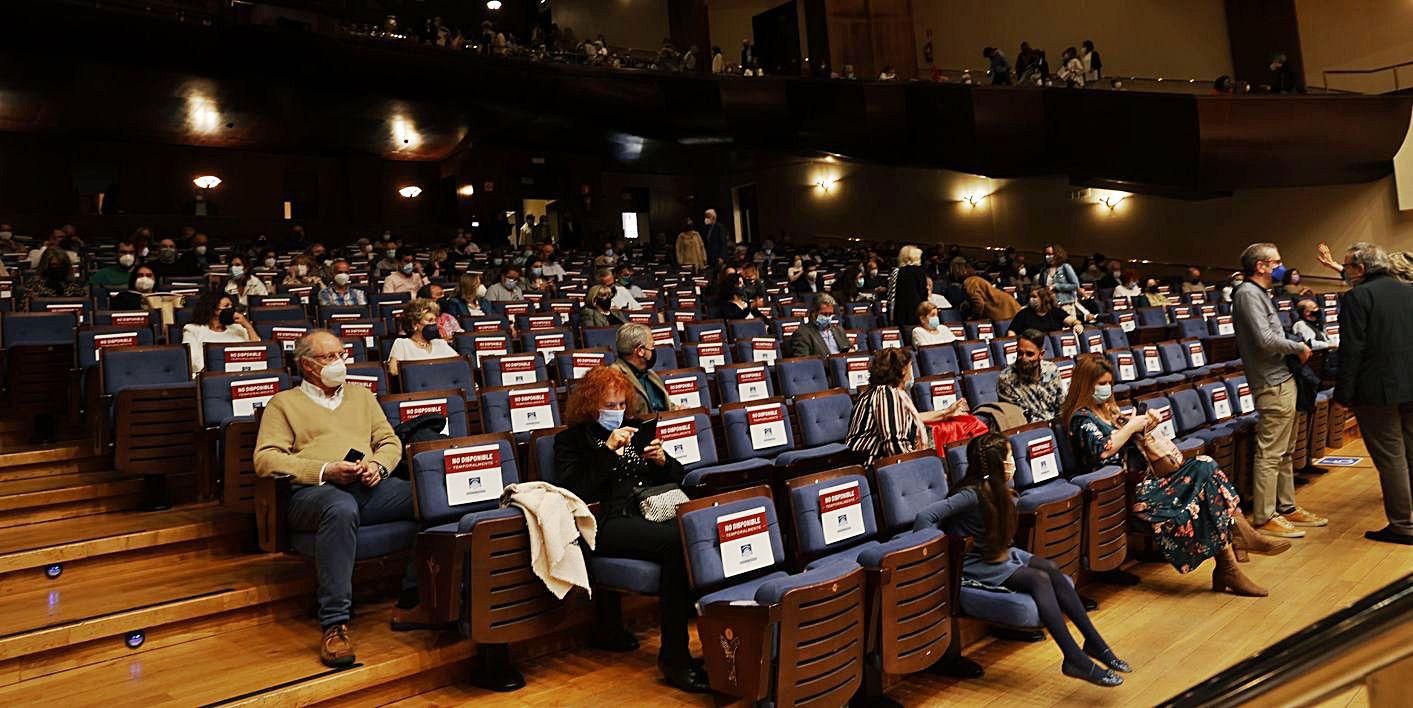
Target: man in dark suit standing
(822, 335)
(1376, 380)
(714, 237)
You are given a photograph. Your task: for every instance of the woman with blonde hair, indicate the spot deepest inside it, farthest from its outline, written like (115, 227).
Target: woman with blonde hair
(302, 272)
(1190, 506)
(907, 288)
(423, 340)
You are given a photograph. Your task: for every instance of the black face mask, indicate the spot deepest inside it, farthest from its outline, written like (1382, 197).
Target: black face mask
(652, 358)
(603, 303)
(227, 316)
(430, 332)
(1152, 288)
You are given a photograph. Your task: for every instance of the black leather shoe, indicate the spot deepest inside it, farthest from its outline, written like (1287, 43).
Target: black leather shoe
(1107, 658)
(1094, 674)
(1387, 535)
(1090, 604)
(688, 678)
(617, 639)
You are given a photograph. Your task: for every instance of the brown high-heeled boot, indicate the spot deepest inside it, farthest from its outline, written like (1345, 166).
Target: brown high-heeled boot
(1245, 538)
(1228, 575)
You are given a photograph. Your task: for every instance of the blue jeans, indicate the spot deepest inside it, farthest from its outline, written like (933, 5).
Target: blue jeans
(334, 514)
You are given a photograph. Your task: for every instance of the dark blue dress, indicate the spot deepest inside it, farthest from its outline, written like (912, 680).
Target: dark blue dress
(1190, 510)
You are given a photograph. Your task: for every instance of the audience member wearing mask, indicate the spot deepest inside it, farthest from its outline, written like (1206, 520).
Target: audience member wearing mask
(54, 241)
(636, 358)
(595, 459)
(598, 310)
(983, 507)
(1059, 276)
(507, 288)
(936, 298)
(608, 258)
(930, 329)
(53, 277)
(751, 282)
(739, 307)
(197, 259)
(625, 293)
(1152, 297)
(214, 319)
(1030, 382)
(714, 238)
(1310, 326)
(466, 301)
(1192, 282)
(821, 335)
(1092, 274)
(301, 273)
(987, 301)
(846, 286)
(554, 270)
(1130, 287)
(1375, 379)
(1113, 276)
(340, 290)
(437, 267)
(321, 262)
(116, 276)
(885, 421)
(1291, 285)
(907, 288)
(1233, 283)
(447, 324)
(1042, 313)
(407, 279)
(808, 281)
(423, 338)
(1194, 511)
(142, 282)
(166, 261)
(242, 283)
(389, 263)
(691, 252)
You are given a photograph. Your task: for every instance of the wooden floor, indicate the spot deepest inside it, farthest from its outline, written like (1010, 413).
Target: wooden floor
(223, 625)
(1172, 628)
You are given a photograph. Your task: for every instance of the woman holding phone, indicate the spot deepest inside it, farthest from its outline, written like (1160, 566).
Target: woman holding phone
(601, 459)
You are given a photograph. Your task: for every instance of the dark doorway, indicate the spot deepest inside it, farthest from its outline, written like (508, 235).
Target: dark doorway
(777, 39)
(746, 213)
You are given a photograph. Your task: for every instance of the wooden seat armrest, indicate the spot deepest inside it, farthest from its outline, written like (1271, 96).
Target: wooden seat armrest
(737, 644)
(271, 503)
(441, 562)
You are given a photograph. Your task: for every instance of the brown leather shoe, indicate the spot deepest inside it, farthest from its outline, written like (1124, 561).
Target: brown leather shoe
(1246, 538)
(1301, 517)
(336, 650)
(1228, 576)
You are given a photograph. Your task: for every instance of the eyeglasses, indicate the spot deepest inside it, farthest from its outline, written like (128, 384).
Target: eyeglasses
(326, 358)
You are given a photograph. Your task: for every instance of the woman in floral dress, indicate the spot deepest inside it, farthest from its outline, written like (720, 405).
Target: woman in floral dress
(1194, 511)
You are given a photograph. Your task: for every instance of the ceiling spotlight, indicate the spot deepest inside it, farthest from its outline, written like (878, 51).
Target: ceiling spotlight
(466, 190)
(207, 181)
(410, 191)
(492, 4)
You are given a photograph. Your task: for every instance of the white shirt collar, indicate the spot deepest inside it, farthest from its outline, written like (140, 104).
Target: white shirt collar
(317, 395)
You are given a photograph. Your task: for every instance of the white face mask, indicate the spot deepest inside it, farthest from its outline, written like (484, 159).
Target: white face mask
(301, 270)
(333, 374)
(145, 284)
(269, 263)
(1009, 465)
(237, 271)
(340, 279)
(200, 250)
(480, 291)
(126, 260)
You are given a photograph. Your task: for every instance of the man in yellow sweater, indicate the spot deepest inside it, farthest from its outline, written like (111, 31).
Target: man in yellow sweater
(307, 433)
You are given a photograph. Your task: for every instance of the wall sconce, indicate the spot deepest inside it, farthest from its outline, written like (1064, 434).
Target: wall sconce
(207, 181)
(411, 191)
(972, 200)
(466, 190)
(492, 4)
(826, 184)
(1111, 199)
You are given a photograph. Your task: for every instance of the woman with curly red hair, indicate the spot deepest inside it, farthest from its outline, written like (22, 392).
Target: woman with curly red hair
(596, 459)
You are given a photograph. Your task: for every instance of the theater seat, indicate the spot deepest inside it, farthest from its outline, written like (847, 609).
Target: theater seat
(801, 375)
(980, 386)
(1052, 508)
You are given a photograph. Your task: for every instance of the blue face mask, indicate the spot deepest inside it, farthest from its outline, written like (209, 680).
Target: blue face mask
(933, 322)
(610, 419)
(1278, 273)
(1103, 392)
(823, 322)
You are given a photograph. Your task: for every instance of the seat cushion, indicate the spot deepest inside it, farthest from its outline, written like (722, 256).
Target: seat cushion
(740, 592)
(1171, 379)
(626, 574)
(1190, 444)
(1052, 491)
(772, 590)
(872, 556)
(790, 457)
(846, 555)
(470, 519)
(373, 541)
(1011, 609)
(701, 474)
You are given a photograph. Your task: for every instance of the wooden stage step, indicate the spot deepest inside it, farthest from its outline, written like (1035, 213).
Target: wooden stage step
(63, 458)
(27, 501)
(87, 538)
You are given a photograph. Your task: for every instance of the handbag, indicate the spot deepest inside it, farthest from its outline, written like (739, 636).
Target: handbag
(1163, 455)
(659, 503)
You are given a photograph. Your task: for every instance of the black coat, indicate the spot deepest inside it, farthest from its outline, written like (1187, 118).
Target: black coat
(594, 473)
(910, 291)
(1376, 343)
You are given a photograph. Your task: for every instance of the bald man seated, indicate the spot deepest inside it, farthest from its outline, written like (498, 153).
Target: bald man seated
(307, 433)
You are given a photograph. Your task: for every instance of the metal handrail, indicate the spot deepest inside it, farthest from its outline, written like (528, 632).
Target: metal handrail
(1325, 74)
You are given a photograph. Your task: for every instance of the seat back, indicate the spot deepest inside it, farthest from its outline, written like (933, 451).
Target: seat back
(979, 387)
(666, 359)
(706, 355)
(1194, 353)
(155, 411)
(1116, 337)
(128, 318)
(1092, 341)
(92, 341)
(937, 359)
(1004, 350)
(286, 332)
(277, 313)
(541, 463)
(1163, 406)
(372, 375)
(974, 354)
(765, 350)
(519, 409)
(539, 321)
(513, 370)
(547, 343)
(744, 382)
(145, 366)
(955, 455)
(850, 370)
(451, 478)
(746, 329)
(980, 329)
(436, 375)
(732, 540)
(687, 436)
(1037, 455)
(572, 365)
(687, 388)
(759, 429)
(237, 395)
(1125, 370)
(224, 357)
(906, 485)
(402, 407)
(831, 511)
(1240, 390)
(1152, 317)
(1149, 361)
(801, 375)
(80, 309)
(823, 416)
(704, 331)
(934, 393)
(1063, 344)
(369, 330)
(329, 314)
(1065, 369)
(1187, 410)
(38, 328)
(1174, 359)
(1216, 401)
(1220, 326)
(1192, 327)
(884, 338)
(354, 349)
(479, 345)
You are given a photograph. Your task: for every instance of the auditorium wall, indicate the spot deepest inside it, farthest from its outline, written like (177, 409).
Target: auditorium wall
(1356, 35)
(640, 24)
(928, 206)
(1134, 37)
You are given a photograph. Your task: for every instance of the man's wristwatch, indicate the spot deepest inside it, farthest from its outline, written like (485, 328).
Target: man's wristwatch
(382, 471)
